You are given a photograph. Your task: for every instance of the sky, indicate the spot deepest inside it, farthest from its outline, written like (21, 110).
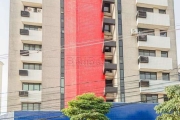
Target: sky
(4, 37)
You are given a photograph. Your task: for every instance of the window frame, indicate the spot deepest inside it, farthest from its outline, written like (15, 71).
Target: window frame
(166, 52)
(107, 5)
(144, 73)
(162, 11)
(33, 84)
(149, 52)
(163, 32)
(28, 46)
(33, 106)
(144, 9)
(33, 65)
(32, 27)
(146, 98)
(163, 76)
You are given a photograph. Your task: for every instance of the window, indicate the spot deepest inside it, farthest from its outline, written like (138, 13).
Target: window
(165, 76)
(107, 28)
(144, 9)
(166, 98)
(148, 76)
(109, 100)
(146, 31)
(147, 53)
(162, 11)
(108, 61)
(149, 98)
(107, 7)
(31, 86)
(32, 47)
(109, 83)
(33, 27)
(107, 49)
(164, 54)
(163, 33)
(31, 106)
(34, 9)
(32, 66)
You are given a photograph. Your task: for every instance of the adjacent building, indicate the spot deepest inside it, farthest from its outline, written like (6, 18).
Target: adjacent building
(123, 50)
(1, 65)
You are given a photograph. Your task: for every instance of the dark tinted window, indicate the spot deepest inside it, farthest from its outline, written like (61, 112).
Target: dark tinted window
(165, 76)
(144, 9)
(149, 98)
(148, 76)
(147, 52)
(164, 54)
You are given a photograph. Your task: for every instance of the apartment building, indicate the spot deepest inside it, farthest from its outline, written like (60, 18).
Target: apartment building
(123, 50)
(1, 65)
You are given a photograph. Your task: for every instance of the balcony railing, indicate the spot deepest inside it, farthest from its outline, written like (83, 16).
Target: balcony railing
(155, 64)
(157, 86)
(31, 56)
(154, 42)
(33, 96)
(162, 4)
(31, 75)
(153, 20)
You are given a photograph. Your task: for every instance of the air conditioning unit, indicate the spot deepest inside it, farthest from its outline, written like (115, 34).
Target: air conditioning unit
(23, 93)
(39, 10)
(143, 59)
(134, 32)
(30, 9)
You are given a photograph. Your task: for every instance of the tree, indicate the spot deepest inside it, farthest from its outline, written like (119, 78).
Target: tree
(170, 110)
(87, 107)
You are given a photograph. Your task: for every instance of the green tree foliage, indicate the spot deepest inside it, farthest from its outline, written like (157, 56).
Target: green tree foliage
(170, 110)
(87, 107)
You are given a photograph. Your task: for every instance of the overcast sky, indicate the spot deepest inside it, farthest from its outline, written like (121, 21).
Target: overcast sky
(4, 33)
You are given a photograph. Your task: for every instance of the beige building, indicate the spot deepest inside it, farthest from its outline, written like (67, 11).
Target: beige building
(144, 52)
(1, 65)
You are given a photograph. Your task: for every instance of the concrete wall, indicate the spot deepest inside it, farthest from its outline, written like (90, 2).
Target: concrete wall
(1, 65)
(51, 55)
(15, 45)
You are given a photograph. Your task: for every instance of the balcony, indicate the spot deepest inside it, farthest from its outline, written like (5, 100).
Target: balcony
(154, 43)
(111, 90)
(109, 44)
(35, 18)
(158, 86)
(161, 4)
(108, 55)
(33, 96)
(32, 3)
(110, 96)
(31, 36)
(108, 36)
(31, 76)
(153, 20)
(154, 64)
(107, 21)
(33, 57)
(109, 67)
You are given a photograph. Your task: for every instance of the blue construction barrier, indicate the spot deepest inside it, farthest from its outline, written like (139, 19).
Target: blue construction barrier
(120, 111)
